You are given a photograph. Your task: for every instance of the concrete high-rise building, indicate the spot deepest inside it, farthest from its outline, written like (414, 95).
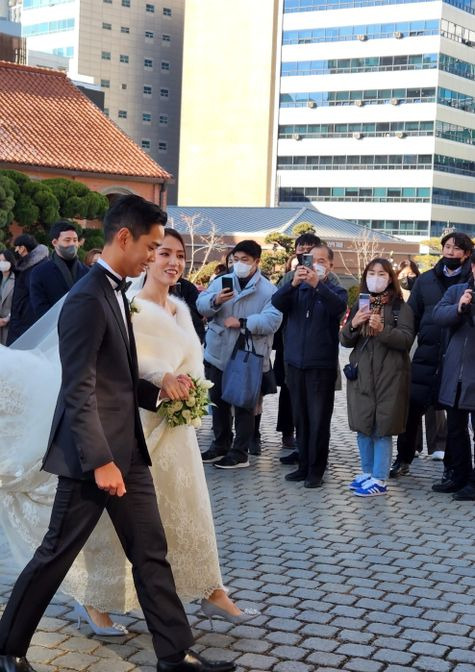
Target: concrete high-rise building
(374, 112)
(133, 50)
(228, 102)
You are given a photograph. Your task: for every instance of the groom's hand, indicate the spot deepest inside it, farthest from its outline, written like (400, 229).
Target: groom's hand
(109, 478)
(175, 387)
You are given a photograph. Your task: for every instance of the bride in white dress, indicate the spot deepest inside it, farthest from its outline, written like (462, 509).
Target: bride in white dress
(168, 352)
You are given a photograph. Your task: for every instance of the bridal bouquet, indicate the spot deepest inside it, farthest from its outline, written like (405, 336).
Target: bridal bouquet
(191, 410)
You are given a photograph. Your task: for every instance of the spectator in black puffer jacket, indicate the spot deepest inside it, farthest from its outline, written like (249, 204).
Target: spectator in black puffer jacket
(429, 288)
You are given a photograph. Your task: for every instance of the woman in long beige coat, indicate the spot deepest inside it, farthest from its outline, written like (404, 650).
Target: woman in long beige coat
(7, 283)
(381, 336)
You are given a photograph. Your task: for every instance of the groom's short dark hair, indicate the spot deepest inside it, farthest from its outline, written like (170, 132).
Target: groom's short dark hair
(133, 213)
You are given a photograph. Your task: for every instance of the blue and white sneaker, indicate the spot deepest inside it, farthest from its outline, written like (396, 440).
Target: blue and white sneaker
(370, 489)
(358, 481)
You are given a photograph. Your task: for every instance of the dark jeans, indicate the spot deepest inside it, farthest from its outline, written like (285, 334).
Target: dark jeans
(77, 508)
(244, 422)
(313, 395)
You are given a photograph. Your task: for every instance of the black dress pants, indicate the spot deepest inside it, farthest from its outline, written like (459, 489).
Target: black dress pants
(407, 442)
(458, 455)
(313, 396)
(77, 508)
(285, 418)
(244, 422)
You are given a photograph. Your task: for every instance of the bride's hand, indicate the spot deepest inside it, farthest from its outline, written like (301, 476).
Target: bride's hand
(174, 388)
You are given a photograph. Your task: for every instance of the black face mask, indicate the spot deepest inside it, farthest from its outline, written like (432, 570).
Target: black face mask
(300, 258)
(452, 263)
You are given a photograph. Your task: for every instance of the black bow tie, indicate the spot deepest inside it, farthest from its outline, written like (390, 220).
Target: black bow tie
(122, 284)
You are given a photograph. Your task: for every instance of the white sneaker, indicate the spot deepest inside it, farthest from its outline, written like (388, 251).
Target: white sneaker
(438, 455)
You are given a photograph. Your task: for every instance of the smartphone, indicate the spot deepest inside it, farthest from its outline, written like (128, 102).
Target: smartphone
(307, 260)
(227, 283)
(364, 302)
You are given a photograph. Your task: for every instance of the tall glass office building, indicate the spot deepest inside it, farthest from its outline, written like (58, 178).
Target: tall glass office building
(376, 112)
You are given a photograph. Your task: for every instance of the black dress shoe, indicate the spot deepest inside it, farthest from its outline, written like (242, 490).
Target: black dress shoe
(398, 468)
(296, 476)
(313, 483)
(13, 664)
(447, 485)
(192, 662)
(293, 458)
(466, 494)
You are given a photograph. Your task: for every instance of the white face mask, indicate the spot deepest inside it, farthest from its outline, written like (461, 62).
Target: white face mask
(376, 284)
(241, 269)
(5, 266)
(320, 270)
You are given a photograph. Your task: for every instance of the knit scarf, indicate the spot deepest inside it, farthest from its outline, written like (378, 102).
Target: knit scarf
(376, 307)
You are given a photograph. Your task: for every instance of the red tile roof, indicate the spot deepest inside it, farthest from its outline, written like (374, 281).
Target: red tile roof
(46, 121)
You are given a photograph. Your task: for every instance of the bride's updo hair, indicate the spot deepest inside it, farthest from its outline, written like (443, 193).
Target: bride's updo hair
(174, 234)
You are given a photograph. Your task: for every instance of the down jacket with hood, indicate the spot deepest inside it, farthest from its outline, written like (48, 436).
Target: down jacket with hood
(378, 400)
(253, 303)
(428, 290)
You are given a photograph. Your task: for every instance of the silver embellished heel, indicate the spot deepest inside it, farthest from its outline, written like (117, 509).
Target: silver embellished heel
(213, 611)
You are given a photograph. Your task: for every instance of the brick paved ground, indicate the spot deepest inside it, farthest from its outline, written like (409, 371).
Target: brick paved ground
(380, 585)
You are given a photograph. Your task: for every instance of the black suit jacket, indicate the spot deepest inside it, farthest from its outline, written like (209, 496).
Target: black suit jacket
(50, 281)
(96, 420)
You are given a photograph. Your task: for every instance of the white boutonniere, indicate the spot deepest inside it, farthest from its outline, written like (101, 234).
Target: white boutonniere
(133, 308)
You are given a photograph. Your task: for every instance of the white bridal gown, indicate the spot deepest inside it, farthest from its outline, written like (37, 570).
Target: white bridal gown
(101, 575)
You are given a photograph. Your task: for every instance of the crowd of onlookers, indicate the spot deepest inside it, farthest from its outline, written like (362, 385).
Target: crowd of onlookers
(411, 335)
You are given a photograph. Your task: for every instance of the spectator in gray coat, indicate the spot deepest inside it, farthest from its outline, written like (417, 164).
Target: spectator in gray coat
(246, 305)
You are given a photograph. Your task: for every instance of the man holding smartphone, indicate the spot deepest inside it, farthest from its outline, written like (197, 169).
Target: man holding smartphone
(311, 305)
(237, 301)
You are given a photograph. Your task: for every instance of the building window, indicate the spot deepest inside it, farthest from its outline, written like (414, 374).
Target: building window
(64, 51)
(125, 29)
(122, 114)
(167, 11)
(146, 144)
(147, 90)
(124, 58)
(48, 27)
(163, 119)
(107, 26)
(125, 3)
(123, 86)
(107, 2)
(165, 66)
(162, 146)
(150, 8)
(148, 63)
(105, 83)
(146, 117)
(106, 55)
(164, 93)
(149, 34)
(166, 38)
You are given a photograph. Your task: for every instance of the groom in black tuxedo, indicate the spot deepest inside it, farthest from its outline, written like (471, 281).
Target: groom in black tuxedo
(97, 449)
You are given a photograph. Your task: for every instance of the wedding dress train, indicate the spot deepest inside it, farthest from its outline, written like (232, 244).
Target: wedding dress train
(101, 575)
